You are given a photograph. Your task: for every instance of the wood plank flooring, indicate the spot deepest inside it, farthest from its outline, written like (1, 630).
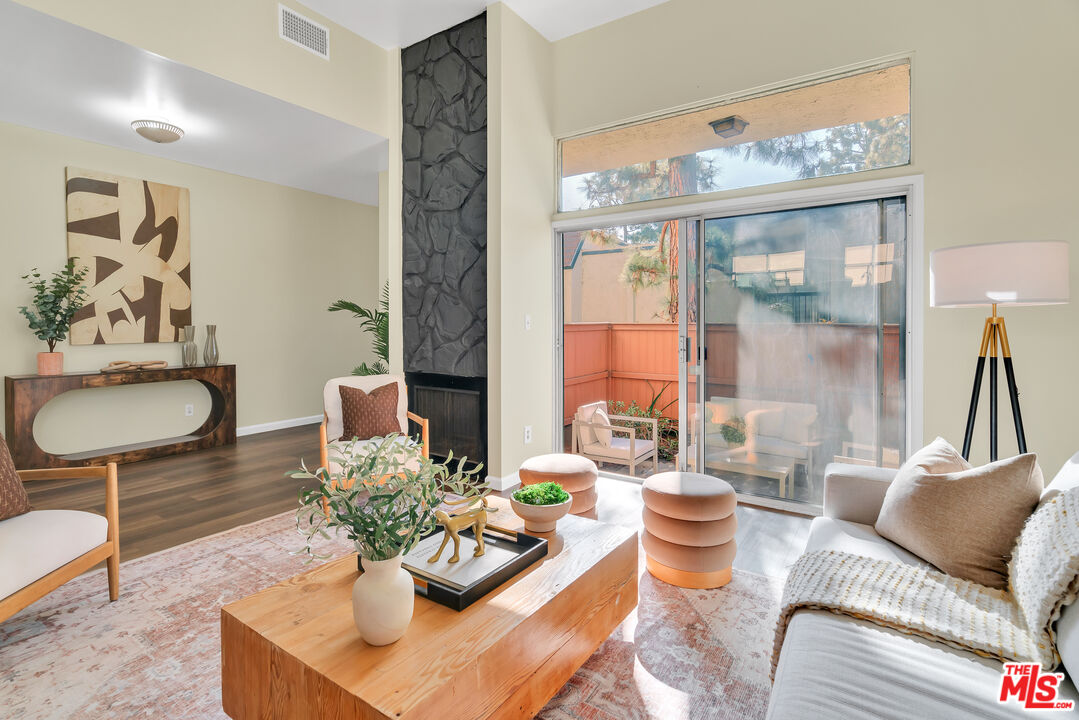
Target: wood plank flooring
(170, 501)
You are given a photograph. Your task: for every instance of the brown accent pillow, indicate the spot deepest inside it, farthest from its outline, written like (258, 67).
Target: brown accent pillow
(13, 498)
(962, 519)
(368, 415)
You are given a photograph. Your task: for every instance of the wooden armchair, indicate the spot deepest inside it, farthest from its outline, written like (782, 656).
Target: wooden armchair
(595, 437)
(333, 426)
(43, 549)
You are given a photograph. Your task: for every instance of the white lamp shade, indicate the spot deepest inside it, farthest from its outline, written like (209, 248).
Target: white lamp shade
(1007, 273)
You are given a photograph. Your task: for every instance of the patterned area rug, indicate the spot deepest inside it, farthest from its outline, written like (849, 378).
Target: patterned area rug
(155, 652)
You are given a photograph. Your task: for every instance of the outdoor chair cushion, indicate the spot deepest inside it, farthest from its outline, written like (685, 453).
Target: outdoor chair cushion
(595, 413)
(619, 449)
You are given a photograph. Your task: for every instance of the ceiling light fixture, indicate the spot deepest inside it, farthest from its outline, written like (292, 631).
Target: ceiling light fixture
(728, 126)
(157, 131)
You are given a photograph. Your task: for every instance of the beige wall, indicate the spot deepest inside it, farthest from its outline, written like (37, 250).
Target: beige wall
(266, 262)
(521, 180)
(238, 40)
(992, 113)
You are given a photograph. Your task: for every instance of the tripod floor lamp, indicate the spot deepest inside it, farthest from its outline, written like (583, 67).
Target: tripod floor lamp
(1008, 273)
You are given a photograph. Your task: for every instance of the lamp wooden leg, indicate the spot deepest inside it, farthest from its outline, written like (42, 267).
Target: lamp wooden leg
(993, 393)
(1013, 391)
(979, 370)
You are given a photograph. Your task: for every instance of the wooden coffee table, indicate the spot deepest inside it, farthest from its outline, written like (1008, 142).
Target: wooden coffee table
(292, 651)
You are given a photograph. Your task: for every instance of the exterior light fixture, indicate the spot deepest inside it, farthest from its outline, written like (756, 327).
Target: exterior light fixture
(157, 131)
(729, 126)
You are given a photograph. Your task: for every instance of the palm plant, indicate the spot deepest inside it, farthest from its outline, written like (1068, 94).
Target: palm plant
(376, 322)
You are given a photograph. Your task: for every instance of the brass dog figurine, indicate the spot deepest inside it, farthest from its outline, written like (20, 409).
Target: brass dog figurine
(474, 517)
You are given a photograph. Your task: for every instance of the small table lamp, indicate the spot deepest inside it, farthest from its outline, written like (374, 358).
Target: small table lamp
(1007, 273)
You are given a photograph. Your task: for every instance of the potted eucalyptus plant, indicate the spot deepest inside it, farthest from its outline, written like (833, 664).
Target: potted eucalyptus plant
(56, 300)
(383, 494)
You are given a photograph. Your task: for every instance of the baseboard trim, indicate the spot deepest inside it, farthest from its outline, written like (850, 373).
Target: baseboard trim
(503, 483)
(277, 425)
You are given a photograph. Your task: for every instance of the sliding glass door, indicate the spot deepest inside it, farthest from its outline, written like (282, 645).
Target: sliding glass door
(804, 324)
(755, 348)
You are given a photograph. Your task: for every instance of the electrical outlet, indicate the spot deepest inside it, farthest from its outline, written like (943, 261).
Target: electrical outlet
(528, 434)
(189, 410)
(528, 322)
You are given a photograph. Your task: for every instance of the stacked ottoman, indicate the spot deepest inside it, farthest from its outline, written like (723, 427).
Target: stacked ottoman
(689, 526)
(575, 473)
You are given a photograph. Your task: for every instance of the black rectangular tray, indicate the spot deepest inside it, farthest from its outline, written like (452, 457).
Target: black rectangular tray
(529, 549)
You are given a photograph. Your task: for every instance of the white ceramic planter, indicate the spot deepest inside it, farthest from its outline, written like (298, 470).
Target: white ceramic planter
(541, 518)
(382, 601)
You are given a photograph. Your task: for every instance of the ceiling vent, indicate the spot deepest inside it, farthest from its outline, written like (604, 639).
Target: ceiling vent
(304, 32)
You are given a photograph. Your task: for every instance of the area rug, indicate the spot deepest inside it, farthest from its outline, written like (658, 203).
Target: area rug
(155, 652)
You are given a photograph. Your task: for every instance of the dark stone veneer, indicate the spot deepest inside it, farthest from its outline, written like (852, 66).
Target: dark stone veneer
(444, 99)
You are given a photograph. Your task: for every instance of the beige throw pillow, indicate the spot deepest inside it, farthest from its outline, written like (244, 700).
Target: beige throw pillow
(962, 519)
(596, 413)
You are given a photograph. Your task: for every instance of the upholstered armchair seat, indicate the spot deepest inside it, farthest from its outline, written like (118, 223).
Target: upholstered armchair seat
(34, 544)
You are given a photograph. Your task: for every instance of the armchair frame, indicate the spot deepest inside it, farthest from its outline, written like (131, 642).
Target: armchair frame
(108, 551)
(633, 461)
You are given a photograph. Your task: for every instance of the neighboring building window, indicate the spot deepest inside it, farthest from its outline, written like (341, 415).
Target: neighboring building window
(855, 123)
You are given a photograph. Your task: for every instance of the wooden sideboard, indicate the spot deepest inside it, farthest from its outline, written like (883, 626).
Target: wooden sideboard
(25, 395)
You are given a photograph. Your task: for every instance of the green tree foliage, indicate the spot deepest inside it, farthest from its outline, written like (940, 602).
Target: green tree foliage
(56, 300)
(843, 149)
(376, 322)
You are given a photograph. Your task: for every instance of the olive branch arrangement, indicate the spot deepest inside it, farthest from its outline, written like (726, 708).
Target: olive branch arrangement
(383, 497)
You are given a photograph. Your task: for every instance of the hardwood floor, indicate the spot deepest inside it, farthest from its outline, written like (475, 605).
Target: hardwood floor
(170, 501)
(173, 500)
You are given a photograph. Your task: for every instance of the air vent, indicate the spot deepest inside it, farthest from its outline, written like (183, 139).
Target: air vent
(304, 32)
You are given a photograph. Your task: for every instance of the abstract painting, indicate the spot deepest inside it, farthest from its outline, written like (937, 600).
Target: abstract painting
(134, 236)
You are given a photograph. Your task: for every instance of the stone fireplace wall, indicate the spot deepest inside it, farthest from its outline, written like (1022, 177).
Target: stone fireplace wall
(444, 99)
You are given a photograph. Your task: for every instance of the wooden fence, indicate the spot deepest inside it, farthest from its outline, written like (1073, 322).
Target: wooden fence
(831, 365)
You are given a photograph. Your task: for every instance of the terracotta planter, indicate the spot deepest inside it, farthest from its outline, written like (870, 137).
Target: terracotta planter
(50, 363)
(540, 518)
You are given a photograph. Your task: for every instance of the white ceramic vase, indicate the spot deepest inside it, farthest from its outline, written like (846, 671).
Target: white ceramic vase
(382, 601)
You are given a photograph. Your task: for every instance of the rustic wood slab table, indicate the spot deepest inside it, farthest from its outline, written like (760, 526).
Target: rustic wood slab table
(292, 651)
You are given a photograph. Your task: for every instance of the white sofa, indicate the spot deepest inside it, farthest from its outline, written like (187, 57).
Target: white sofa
(838, 667)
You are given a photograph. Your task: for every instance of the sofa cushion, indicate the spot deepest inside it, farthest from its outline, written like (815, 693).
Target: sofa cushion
(617, 450)
(1066, 479)
(336, 449)
(13, 498)
(34, 544)
(781, 447)
(841, 668)
(366, 415)
(827, 533)
(963, 520)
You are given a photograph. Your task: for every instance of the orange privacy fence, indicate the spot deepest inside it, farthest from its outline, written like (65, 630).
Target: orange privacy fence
(832, 364)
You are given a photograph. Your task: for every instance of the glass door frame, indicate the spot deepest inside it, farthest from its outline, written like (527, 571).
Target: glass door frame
(910, 186)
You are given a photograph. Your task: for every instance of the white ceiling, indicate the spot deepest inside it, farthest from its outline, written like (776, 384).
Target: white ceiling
(65, 79)
(400, 23)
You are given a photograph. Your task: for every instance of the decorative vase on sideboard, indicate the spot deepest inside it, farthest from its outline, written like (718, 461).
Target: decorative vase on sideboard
(383, 599)
(189, 350)
(50, 363)
(210, 352)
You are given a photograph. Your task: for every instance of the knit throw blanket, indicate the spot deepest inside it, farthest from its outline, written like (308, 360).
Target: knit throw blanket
(1013, 625)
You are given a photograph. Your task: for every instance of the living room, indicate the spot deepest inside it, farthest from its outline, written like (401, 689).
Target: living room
(717, 270)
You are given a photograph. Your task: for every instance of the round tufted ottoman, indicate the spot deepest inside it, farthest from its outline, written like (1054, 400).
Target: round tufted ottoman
(689, 527)
(575, 473)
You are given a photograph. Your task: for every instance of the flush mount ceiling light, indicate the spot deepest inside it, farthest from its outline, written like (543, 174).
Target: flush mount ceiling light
(729, 126)
(157, 131)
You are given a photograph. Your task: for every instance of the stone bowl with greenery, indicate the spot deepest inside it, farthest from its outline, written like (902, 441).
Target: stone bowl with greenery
(541, 505)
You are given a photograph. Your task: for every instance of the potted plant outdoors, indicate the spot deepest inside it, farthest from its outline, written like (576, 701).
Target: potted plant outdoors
(56, 300)
(384, 498)
(541, 505)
